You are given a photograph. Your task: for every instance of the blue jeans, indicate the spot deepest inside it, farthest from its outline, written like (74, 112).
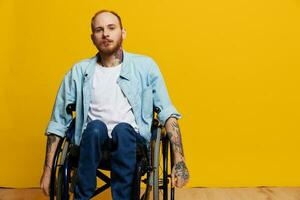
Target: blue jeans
(121, 149)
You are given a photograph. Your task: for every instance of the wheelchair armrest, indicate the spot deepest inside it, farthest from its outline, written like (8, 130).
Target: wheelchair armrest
(154, 128)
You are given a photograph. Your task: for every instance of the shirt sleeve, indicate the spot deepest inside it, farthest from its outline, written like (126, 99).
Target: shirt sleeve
(60, 120)
(160, 95)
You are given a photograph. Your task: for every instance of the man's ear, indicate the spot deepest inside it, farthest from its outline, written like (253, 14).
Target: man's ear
(92, 38)
(123, 33)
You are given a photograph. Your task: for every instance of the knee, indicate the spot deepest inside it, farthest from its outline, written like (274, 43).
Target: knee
(96, 128)
(122, 129)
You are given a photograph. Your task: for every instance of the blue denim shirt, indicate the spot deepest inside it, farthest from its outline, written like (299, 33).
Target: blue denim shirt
(140, 80)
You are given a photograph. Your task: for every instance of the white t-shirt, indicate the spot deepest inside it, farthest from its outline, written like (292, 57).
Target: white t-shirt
(108, 102)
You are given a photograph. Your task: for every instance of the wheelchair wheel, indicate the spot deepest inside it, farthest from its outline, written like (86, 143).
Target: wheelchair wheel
(54, 172)
(162, 189)
(158, 173)
(61, 173)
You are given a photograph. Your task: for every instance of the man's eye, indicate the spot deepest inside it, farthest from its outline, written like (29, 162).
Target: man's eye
(111, 28)
(98, 30)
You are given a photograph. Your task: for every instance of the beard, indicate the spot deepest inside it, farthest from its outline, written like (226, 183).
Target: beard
(110, 47)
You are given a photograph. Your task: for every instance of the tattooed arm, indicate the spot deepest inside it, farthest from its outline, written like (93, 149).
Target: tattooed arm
(52, 142)
(180, 174)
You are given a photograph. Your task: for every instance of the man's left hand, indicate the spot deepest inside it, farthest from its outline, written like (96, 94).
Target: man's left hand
(180, 174)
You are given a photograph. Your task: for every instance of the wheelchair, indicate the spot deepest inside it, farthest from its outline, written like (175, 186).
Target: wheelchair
(153, 170)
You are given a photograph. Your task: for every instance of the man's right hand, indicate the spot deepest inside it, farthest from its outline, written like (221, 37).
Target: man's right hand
(52, 142)
(45, 181)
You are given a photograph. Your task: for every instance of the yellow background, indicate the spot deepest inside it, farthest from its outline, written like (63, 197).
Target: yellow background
(231, 67)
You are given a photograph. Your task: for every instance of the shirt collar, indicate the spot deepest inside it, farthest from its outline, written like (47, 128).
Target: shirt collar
(124, 69)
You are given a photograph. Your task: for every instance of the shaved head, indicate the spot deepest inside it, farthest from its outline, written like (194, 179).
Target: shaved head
(105, 11)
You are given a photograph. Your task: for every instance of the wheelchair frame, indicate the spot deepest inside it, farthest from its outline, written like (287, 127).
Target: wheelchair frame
(64, 167)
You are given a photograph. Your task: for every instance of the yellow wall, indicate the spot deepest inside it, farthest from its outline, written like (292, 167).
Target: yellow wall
(231, 67)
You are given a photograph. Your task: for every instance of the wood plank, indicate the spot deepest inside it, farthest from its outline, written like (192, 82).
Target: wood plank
(259, 193)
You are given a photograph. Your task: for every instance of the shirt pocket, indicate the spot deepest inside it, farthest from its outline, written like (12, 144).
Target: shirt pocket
(147, 103)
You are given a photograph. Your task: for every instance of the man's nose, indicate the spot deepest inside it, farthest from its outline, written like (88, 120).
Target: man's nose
(105, 33)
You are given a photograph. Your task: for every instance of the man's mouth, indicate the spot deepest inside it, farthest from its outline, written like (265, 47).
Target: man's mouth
(106, 42)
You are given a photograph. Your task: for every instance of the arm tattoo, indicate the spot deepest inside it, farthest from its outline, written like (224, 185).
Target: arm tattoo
(50, 140)
(181, 170)
(176, 144)
(175, 138)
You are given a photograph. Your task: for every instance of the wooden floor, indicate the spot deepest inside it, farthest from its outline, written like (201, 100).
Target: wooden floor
(260, 193)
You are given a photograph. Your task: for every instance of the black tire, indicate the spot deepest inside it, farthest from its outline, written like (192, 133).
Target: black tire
(162, 189)
(61, 173)
(55, 169)
(168, 192)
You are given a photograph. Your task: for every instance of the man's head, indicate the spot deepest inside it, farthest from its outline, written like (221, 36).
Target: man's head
(107, 31)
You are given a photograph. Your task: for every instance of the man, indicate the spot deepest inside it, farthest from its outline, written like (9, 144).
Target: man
(114, 92)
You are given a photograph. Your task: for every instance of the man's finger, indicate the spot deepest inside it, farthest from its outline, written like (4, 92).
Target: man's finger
(179, 183)
(47, 192)
(173, 178)
(44, 191)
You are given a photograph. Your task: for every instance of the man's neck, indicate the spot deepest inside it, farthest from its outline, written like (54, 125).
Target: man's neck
(111, 60)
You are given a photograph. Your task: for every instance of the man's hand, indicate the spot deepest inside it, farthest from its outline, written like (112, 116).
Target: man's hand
(45, 181)
(52, 142)
(180, 174)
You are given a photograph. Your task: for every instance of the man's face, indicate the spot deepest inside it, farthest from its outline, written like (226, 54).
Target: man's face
(107, 34)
